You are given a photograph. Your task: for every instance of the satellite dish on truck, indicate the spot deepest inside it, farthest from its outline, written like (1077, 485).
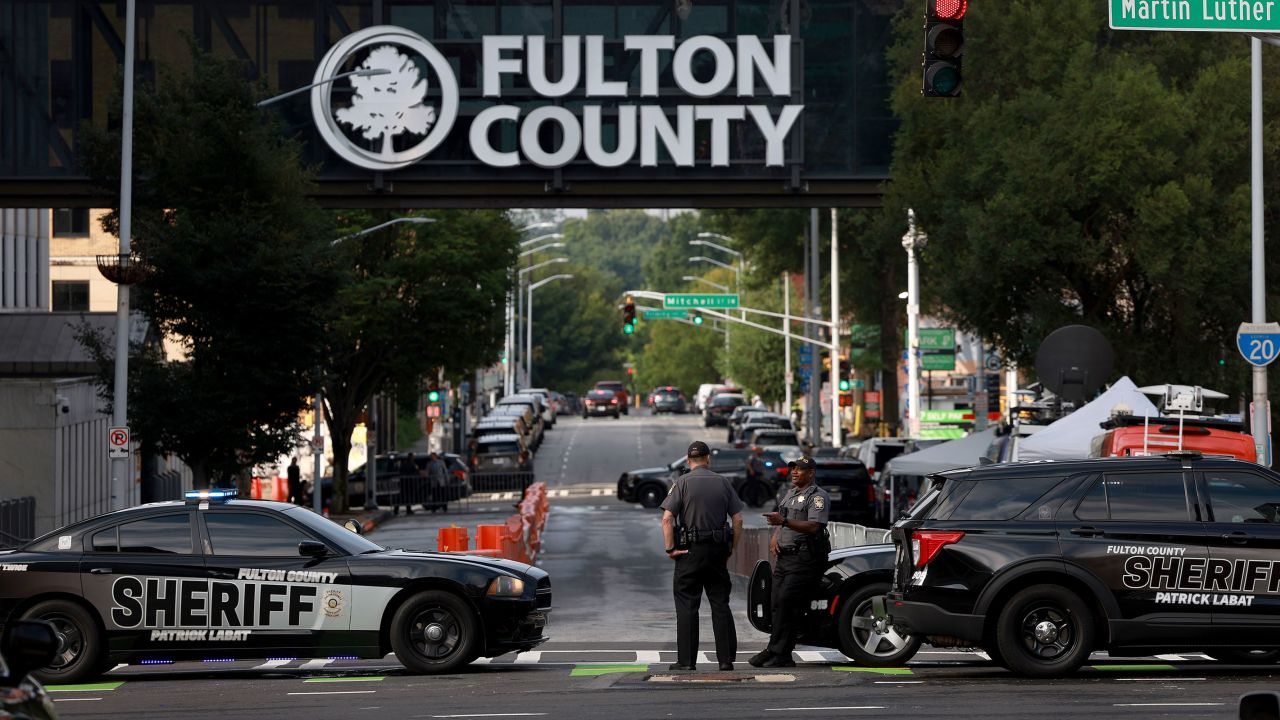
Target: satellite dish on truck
(1074, 362)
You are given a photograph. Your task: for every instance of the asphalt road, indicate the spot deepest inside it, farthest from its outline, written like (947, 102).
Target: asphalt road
(613, 635)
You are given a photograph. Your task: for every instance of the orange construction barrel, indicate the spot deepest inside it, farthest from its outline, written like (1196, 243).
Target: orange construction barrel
(489, 537)
(452, 539)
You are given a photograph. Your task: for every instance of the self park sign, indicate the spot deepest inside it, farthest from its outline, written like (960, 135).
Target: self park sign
(1255, 16)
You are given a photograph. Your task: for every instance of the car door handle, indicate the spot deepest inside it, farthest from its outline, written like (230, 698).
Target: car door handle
(100, 571)
(1086, 531)
(1237, 537)
(228, 574)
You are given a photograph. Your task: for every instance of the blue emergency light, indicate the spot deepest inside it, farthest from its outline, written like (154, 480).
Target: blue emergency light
(204, 495)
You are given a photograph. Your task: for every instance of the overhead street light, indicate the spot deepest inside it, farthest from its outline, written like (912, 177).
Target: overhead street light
(704, 281)
(528, 351)
(717, 236)
(540, 238)
(539, 226)
(339, 76)
(389, 223)
(540, 248)
(552, 261)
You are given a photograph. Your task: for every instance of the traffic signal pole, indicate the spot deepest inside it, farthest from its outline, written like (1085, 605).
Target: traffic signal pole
(1261, 411)
(835, 331)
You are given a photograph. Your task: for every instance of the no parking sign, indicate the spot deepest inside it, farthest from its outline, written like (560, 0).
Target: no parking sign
(118, 443)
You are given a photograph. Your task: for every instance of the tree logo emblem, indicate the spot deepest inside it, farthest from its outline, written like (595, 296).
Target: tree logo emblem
(390, 105)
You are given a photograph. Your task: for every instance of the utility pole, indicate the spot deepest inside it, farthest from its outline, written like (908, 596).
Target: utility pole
(317, 452)
(912, 241)
(835, 331)
(814, 276)
(787, 376)
(122, 467)
(1260, 420)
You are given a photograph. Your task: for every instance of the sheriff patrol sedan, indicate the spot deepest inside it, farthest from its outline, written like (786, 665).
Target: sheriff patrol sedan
(215, 577)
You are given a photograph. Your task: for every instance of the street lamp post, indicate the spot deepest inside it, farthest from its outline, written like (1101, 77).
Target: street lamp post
(517, 331)
(304, 88)
(371, 470)
(520, 312)
(914, 240)
(704, 281)
(529, 340)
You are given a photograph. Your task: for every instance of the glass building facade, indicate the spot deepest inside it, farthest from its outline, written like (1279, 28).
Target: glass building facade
(59, 60)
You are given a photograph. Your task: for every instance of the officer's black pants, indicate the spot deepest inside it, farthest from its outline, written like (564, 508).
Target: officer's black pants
(795, 578)
(704, 568)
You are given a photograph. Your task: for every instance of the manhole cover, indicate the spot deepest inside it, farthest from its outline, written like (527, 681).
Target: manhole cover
(725, 678)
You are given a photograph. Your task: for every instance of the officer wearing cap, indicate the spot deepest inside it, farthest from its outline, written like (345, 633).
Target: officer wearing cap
(695, 526)
(800, 548)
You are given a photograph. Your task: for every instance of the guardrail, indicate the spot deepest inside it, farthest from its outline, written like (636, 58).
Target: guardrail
(17, 521)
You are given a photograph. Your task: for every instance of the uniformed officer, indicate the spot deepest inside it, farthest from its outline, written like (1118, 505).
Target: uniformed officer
(800, 549)
(703, 504)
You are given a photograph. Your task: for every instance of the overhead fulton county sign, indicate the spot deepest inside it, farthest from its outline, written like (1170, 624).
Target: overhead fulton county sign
(389, 106)
(1196, 15)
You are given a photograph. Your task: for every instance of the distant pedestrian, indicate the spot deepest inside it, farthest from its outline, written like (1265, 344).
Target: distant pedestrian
(696, 527)
(409, 483)
(295, 482)
(800, 549)
(437, 482)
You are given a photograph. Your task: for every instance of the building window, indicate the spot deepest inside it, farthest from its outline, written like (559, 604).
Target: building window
(71, 296)
(70, 222)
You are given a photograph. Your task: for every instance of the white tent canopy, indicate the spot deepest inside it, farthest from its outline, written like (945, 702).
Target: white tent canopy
(1070, 438)
(947, 456)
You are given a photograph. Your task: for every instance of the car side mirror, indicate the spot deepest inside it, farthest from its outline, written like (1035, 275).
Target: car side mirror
(28, 645)
(354, 527)
(312, 548)
(1260, 706)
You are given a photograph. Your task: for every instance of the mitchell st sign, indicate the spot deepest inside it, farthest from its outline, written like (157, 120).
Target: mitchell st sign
(1196, 15)
(401, 113)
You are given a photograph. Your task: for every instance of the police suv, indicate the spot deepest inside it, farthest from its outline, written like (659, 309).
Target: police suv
(1042, 563)
(218, 578)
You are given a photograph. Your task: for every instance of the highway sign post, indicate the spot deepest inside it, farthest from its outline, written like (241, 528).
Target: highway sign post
(699, 301)
(1259, 343)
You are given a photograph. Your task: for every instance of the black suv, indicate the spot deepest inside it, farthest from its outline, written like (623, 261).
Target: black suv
(1042, 563)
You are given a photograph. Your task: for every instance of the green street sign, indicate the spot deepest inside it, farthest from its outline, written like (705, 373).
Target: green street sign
(938, 339)
(1195, 15)
(859, 384)
(699, 301)
(938, 361)
(666, 314)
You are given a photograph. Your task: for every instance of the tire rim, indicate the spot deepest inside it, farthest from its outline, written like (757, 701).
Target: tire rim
(1048, 633)
(70, 640)
(435, 633)
(650, 496)
(875, 636)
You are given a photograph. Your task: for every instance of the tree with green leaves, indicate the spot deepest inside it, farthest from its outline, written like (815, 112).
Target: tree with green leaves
(238, 261)
(413, 299)
(577, 329)
(1101, 180)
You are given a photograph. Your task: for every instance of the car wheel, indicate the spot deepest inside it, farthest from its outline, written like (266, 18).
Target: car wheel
(868, 641)
(651, 496)
(1245, 657)
(1044, 631)
(81, 651)
(434, 632)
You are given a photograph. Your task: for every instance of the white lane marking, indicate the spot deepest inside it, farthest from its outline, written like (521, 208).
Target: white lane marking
(833, 707)
(899, 682)
(487, 715)
(273, 664)
(1171, 658)
(315, 664)
(597, 492)
(532, 657)
(1168, 704)
(76, 699)
(336, 692)
(1159, 679)
(648, 656)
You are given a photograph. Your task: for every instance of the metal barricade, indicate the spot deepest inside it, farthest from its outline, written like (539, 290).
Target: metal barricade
(493, 491)
(17, 521)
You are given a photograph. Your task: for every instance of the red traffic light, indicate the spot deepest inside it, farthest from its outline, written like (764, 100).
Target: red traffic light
(947, 9)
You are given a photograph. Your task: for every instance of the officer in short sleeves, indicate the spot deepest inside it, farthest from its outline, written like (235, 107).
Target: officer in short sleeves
(704, 504)
(800, 550)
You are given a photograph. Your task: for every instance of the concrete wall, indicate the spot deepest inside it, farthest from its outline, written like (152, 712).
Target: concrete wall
(53, 446)
(24, 259)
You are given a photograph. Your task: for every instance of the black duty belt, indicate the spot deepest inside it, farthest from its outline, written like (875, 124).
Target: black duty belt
(793, 550)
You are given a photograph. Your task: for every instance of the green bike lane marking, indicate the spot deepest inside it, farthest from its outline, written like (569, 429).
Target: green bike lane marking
(370, 678)
(877, 671)
(89, 687)
(594, 669)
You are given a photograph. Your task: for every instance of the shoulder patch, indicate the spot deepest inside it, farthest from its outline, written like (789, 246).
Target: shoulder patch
(671, 489)
(819, 502)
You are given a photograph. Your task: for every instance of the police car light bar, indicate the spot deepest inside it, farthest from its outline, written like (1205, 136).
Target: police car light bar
(204, 495)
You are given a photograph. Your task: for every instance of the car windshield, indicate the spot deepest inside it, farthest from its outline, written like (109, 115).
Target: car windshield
(350, 542)
(499, 448)
(600, 395)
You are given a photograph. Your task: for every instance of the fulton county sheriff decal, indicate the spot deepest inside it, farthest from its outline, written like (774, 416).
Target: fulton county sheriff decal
(197, 604)
(1196, 580)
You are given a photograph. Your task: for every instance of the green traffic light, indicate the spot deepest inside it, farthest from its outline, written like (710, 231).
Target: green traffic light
(697, 320)
(845, 385)
(628, 329)
(1222, 361)
(433, 396)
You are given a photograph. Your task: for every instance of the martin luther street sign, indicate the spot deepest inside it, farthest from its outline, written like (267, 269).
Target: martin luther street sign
(1254, 16)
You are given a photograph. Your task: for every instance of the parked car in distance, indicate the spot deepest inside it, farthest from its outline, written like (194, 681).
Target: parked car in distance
(764, 436)
(619, 391)
(601, 402)
(501, 453)
(667, 399)
(849, 486)
(719, 408)
(704, 393)
(1135, 436)
(648, 486)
